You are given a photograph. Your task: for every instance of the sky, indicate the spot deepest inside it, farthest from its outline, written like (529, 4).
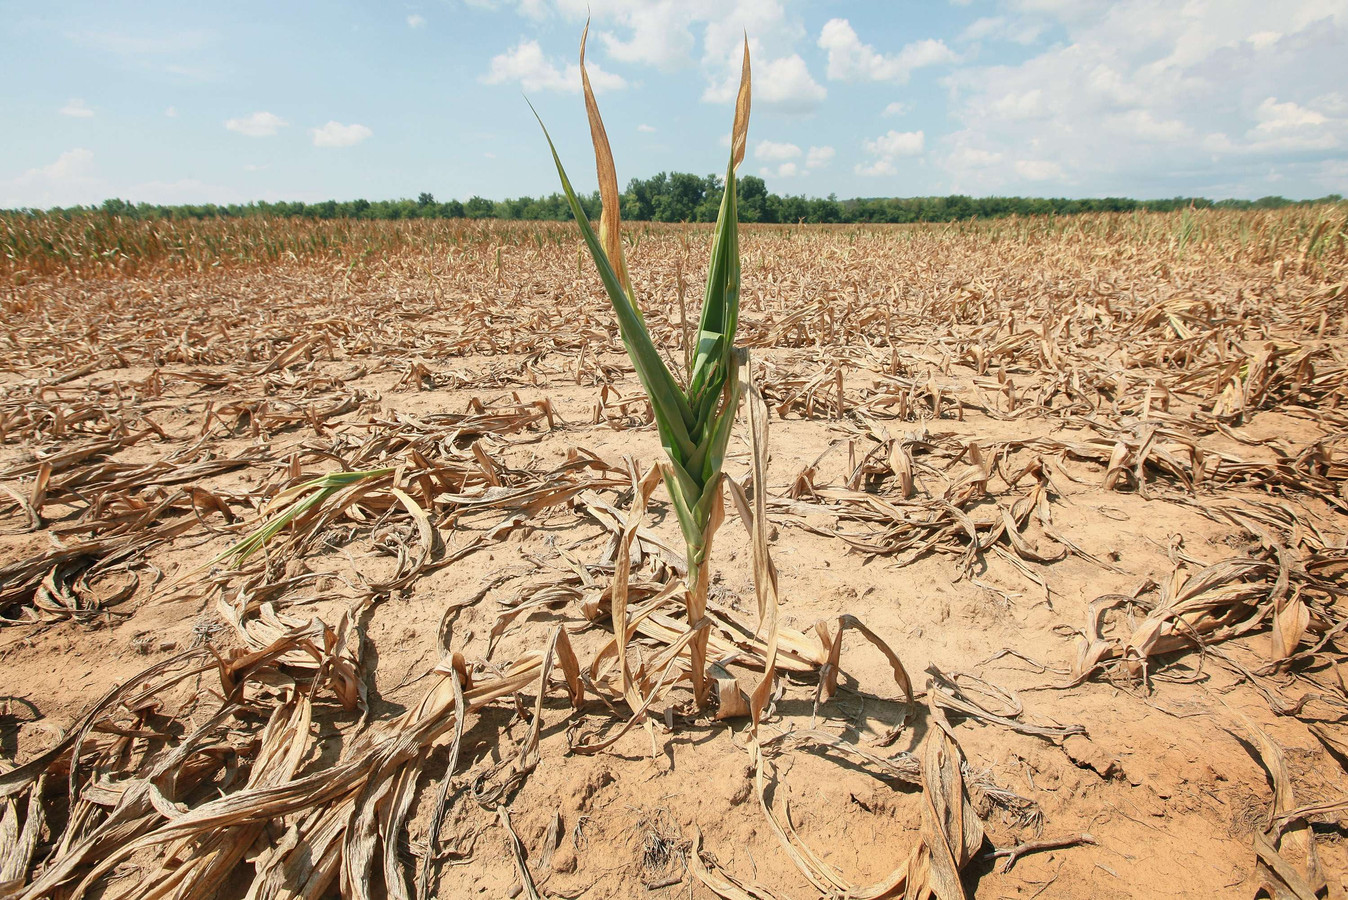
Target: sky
(193, 102)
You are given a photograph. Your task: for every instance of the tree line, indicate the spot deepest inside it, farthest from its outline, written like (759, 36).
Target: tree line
(683, 197)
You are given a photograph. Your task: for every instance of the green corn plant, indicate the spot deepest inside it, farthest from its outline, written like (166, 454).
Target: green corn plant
(297, 501)
(694, 419)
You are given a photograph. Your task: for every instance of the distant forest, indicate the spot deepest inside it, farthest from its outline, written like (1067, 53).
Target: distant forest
(682, 197)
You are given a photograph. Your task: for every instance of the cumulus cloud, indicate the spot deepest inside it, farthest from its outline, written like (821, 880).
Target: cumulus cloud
(335, 134)
(258, 124)
(1038, 169)
(888, 148)
(73, 178)
(787, 84)
(416, 20)
(971, 158)
(76, 109)
(67, 181)
(526, 65)
(667, 34)
(984, 27)
(773, 151)
(784, 83)
(1143, 125)
(877, 168)
(1143, 98)
(171, 112)
(1131, 97)
(1275, 117)
(819, 157)
(658, 34)
(897, 143)
(1333, 103)
(785, 159)
(851, 60)
(1002, 28)
(646, 129)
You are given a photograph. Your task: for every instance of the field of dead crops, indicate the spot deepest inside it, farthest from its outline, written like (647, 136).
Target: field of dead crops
(1045, 548)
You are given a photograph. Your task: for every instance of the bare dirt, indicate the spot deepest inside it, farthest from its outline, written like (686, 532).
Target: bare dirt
(1141, 414)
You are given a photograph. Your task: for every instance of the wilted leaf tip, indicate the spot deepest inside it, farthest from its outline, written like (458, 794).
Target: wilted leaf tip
(610, 221)
(739, 135)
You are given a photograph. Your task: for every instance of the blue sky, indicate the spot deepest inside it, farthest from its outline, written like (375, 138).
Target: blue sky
(228, 102)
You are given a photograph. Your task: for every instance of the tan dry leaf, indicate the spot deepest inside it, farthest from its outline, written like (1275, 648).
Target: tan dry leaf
(1291, 618)
(739, 134)
(610, 219)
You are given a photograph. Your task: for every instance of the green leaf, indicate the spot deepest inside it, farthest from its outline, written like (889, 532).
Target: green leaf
(672, 413)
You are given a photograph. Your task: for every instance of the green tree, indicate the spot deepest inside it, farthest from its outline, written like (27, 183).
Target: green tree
(478, 207)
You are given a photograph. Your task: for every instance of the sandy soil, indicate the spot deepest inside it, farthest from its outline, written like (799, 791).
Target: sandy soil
(1165, 777)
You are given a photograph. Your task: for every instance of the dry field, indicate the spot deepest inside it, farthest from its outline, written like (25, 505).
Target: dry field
(1058, 511)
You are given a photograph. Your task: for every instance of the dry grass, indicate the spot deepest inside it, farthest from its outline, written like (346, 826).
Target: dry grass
(969, 388)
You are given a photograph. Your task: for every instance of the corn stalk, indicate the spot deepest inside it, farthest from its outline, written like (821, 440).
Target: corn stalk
(695, 419)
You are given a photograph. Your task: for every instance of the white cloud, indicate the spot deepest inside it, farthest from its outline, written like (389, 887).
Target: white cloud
(526, 65)
(787, 83)
(877, 168)
(1142, 124)
(73, 179)
(1263, 39)
(674, 35)
(258, 124)
(785, 170)
(416, 20)
(1020, 105)
(335, 134)
(1038, 169)
(646, 129)
(1287, 128)
(819, 157)
(76, 109)
(772, 151)
(984, 27)
(897, 108)
(787, 158)
(784, 83)
(1147, 98)
(659, 36)
(171, 112)
(897, 143)
(972, 158)
(1001, 28)
(851, 60)
(772, 33)
(664, 33)
(1333, 103)
(1138, 97)
(66, 182)
(1331, 175)
(888, 148)
(1277, 117)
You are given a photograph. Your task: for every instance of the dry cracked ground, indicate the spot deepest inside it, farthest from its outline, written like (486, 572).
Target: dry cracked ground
(1057, 510)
